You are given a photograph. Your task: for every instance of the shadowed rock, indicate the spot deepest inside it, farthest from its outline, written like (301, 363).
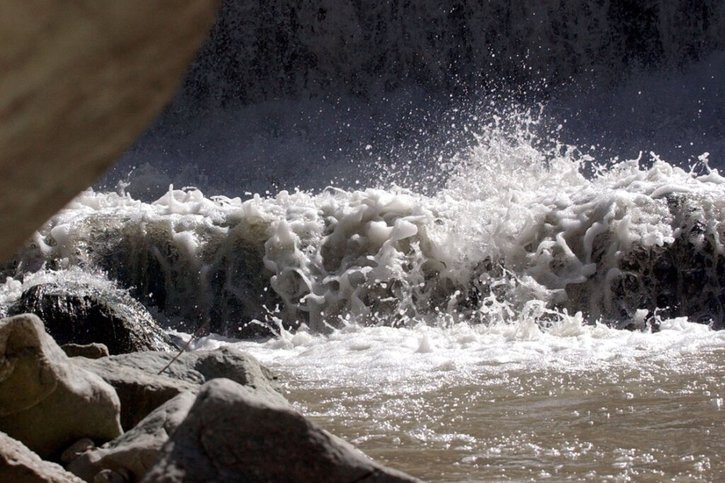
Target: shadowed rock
(45, 401)
(136, 451)
(235, 434)
(19, 464)
(83, 314)
(91, 351)
(142, 389)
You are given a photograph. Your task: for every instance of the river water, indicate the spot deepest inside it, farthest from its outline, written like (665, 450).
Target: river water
(473, 333)
(570, 403)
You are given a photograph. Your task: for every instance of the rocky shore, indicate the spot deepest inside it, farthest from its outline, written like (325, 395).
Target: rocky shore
(155, 416)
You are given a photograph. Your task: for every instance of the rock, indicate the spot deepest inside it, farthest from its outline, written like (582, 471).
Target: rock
(235, 434)
(76, 449)
(201, 366)
(46, 402)
(136, 451)
(86, 313)
(19, 464)
(140, 392)
(141, 389)
(80, 81)
(90, 351)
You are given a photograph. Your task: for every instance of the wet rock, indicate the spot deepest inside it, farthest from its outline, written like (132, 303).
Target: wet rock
(19, 464)
(141, 388)
(85, 313)
(236, 434)
(136, 451)
(90, 351)
(46, 402)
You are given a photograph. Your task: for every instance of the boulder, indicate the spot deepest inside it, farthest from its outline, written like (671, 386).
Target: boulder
(235, 434)
(80, 81)
(142, 389)
(140, 392)
(19, 464)
(136, 451)
(201, 366)
(46, 402)
(90, 351)
(85, 313)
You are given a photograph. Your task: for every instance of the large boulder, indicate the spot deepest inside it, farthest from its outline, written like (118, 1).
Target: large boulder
(145, 380)
(19, 464)
(46, 402)
(135, 452)
(236, 434)
(86, 313)
(80, 81)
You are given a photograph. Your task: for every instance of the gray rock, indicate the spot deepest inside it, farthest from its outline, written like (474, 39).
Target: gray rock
(235, 434)
(46, 402)
(91, 351)
(76, 449)
(201, 366)
(141, 389)
(136, 451)
(87, 312)
(20, 465)
(140, 392)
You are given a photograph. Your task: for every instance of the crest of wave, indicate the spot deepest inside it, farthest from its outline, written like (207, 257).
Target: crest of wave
(620, 245)
(519, 230)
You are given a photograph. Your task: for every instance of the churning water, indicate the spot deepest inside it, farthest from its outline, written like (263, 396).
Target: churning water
(475, 333)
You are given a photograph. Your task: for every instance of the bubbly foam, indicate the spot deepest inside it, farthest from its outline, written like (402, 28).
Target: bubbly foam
(518, 229)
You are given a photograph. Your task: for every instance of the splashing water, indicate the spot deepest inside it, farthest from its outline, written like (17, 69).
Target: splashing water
(467, 334)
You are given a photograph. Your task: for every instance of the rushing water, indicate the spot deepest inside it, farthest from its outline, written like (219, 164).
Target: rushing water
(473, 403)
(474, 333)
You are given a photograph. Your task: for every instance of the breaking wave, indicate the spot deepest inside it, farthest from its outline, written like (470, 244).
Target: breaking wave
(524, 228)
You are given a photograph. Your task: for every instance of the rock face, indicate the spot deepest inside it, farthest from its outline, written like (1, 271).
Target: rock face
(142, 389)
(135, 452)
(235, 434)
(80, 81)
(83, 314)
(19, 464)
(46, 402)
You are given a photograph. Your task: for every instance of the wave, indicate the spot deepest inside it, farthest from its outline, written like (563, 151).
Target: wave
(517, 231)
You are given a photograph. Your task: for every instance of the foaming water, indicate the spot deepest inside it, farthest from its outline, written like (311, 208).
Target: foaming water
(517, 229)
(469, 333)
(513, 401)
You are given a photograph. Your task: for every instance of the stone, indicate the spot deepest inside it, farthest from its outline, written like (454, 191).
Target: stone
(140, 392)
(95, 350)
(77, 449)
(201, 366)
(19, 464)
(235, 434)
(85, 313)
(46, 402)
(142, 389)
(80, 81)
(136, 451)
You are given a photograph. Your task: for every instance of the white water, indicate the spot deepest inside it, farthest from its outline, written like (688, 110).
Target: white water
(465, 344)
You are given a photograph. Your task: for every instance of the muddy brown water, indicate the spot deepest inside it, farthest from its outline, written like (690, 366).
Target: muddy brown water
(653, 421)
